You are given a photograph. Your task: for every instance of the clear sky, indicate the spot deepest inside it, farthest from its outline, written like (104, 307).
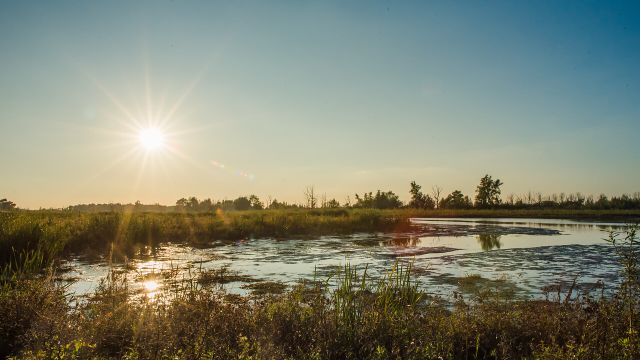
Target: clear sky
(347, 96)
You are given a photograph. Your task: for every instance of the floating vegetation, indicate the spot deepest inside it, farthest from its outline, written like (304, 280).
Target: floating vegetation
(222, 276)
(265, 287)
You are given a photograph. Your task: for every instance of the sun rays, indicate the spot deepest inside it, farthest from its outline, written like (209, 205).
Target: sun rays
(147, 131)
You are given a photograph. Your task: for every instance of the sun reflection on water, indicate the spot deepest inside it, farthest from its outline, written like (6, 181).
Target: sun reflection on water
(151, 289)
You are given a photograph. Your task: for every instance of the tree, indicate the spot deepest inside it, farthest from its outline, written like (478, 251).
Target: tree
(381, 200)
(435, 191)
(205, 205)
(455, 200)
(275, 204)
(182, 203)
(418, 199)
(310, 195)
(242, 203)
(332, 204)
(488, 192)
(256, 204)
(193, 203)
(7, 205)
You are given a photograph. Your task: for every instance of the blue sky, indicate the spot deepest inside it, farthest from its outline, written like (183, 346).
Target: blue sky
(347, 96)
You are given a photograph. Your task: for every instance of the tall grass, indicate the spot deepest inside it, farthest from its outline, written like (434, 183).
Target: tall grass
(46, 235)
(50, 234)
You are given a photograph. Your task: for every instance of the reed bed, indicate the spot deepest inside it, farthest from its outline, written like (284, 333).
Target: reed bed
(44, 236)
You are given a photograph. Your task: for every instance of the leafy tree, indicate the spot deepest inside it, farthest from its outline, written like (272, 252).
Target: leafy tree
(256, 204)
(332, 204)
(7, 205)
(488, 192)
(193, 203)
(418, 199)
(242, 203)
(205, 205)
(182, 203)
(455, 200)
(381, 200)
(275, 204)
(226, 205)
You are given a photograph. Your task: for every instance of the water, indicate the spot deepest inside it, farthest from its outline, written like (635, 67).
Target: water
(520, 255)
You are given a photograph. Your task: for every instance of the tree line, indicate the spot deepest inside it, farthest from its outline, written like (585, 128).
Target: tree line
(488, 195)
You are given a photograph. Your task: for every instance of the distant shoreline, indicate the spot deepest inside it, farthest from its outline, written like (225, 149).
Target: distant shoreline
(616, 215)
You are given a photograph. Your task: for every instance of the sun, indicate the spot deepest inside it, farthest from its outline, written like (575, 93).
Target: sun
(151, 139)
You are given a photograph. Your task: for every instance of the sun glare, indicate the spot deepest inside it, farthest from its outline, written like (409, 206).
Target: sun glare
(151, 138)
(150, 285)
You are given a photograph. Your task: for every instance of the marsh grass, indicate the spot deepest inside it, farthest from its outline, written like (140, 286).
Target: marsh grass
(42, 237)
(221, 276)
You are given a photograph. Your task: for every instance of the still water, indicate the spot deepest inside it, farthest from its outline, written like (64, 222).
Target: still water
(523, 255)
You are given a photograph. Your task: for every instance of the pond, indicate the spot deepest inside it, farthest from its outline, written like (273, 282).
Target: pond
(449, 256)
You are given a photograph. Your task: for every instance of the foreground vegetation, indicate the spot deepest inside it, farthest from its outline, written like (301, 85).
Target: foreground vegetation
(348, 316)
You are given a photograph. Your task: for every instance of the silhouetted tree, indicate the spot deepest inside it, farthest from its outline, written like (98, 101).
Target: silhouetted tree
(435, 191)
(193, 203)
(7, 205)
(418, 199)
(310, 196)
(381, 200)
(488, 192)
(275, 204)
(182, 203)
(256, 204)
(205, 205)
(242, 203)
(456, 200)
(332, 204)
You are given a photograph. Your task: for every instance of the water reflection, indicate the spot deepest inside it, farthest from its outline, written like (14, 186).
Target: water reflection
(489, 241)
(532, 251)
(151, 289)
(410, 241)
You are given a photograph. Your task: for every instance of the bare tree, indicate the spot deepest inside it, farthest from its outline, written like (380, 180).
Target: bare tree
(269, 201)
(529, 197)
(435, 191)
(510, 199)
(310, 195)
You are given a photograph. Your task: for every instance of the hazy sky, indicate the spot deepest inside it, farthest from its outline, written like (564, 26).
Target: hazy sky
(347, 96)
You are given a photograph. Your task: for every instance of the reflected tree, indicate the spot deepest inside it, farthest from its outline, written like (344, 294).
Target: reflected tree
(489, 241)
